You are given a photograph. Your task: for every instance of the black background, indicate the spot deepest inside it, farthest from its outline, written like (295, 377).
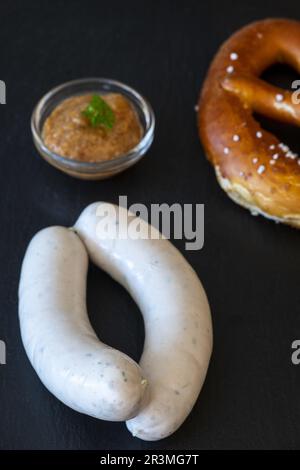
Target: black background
(249, 266)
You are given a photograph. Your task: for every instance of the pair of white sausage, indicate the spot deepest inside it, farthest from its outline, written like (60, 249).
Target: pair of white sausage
(74, 365)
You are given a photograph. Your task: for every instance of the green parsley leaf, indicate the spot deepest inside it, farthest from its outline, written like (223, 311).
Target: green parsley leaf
(99, 113)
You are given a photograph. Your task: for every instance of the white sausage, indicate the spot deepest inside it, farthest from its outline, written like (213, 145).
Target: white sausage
(73, 364)
(178, 330)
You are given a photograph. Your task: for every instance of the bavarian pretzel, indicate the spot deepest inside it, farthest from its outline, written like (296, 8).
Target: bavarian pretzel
(255, 169)
(80, 370)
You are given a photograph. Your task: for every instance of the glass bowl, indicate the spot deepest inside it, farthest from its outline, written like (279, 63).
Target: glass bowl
(92, 170)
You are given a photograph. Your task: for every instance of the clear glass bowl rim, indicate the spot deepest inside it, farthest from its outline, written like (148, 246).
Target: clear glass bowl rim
(92, 167)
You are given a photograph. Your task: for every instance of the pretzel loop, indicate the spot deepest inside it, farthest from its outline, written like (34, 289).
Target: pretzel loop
(264, 98)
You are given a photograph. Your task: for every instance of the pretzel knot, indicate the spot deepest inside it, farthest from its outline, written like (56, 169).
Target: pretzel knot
(256, 170)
